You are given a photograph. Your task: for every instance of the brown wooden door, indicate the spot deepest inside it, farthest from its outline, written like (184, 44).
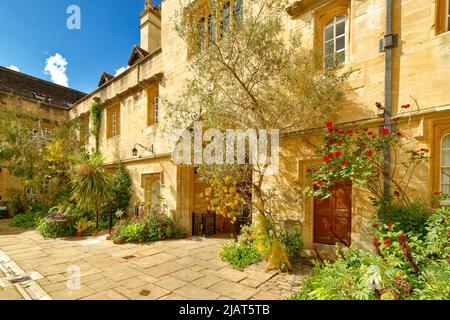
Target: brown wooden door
(332, 216)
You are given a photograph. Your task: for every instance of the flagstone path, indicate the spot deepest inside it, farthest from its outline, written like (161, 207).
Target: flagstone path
(187, 269)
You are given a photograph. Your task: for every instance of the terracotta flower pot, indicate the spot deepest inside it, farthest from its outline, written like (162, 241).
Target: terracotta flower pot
(80, 233)
(118, 241)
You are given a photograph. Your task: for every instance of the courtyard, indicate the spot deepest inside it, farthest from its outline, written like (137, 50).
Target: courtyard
(187, 269)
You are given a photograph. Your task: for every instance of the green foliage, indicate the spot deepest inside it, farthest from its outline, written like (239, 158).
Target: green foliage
(49, 229)
(96, 117)
(120, 190)
(240, 255)
(243, 252)
(90, 183)
(39, 158)
(23, 221)
(293, 242)
(405, 266)
(410, 218)
(358, 156)
(152, 225)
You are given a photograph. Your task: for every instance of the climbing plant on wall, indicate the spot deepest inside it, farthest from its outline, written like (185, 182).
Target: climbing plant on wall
(96, 118)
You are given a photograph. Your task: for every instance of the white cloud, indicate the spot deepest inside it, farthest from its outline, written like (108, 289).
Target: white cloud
(121, 70)
(14, 68)
(56, 68)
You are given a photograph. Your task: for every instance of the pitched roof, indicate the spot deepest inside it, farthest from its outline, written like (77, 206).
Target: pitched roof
(137, 54)
(105, 77)
(37, 89)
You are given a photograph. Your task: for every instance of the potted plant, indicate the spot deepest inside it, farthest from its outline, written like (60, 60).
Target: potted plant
(82, 225)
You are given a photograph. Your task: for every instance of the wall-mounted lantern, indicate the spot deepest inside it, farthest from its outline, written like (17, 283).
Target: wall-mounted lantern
(150, 149)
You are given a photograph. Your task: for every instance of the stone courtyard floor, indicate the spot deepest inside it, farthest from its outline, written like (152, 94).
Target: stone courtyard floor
(187, 269)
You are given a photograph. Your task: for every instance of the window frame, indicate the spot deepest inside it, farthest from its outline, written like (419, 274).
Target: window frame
(113, 121)
(156, 112)
(334, 23)
(441, 151)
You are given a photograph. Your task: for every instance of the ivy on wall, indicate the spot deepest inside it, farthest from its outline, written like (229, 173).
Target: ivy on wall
(96, 118)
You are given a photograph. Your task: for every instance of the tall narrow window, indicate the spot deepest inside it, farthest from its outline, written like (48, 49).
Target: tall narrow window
(212, 28)
(201, 33)
(238, 11)
(445, 165)
(334, 46)
(225, 20)
(114, 124)
(156, 110)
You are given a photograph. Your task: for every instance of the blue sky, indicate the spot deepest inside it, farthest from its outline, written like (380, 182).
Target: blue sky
(33, 31)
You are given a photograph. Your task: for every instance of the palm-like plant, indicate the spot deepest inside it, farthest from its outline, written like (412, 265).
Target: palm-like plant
(90, 183)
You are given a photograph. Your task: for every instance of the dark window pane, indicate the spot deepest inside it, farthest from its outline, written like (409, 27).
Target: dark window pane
(329, 48)
(341, 57)
(329, 33)
(340, 43)
(340, 28)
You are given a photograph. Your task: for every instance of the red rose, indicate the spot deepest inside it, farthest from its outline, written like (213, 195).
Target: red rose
(326, 160)
(330, 155)
(308, 170)
(340, 143)
(363, 145)
(370, 133)
(387, 241)
(397, 193)
(384, 131)
(320, 182)
(329, 125)
(315, 170)
(376, 225)
(399, 134)
(390, 223)
(437, 193)
(369, 153)
(344, 164)
(349, 131)
(415, 154)
(406, 106)
(340, 132)
(338, 154)
(424, 150)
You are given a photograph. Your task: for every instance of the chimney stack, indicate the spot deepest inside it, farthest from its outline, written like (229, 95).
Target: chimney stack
(150, 27)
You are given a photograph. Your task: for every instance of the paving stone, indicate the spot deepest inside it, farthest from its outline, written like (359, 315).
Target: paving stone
(265, 295)
(251, 283)
(170, 283)
(102, 284)
(172, 296)
(132, 283)
(261, 276)
(10, 293)
(195, 293)
(163, 269)
(146, 262)
(187, 275)
(120, 272)
(72, 294)
(107, 295)
(206, 281)
(233, 290)
(231, 274)
(155, 292)
(214, 264)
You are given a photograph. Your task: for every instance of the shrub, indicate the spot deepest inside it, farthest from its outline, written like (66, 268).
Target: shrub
(23, 221)
(293, 243)
(410, 218)
(404, 266)
(120, 190)
(48, 228)
(240, 255)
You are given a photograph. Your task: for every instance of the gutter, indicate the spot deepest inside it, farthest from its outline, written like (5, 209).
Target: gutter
(387, 44)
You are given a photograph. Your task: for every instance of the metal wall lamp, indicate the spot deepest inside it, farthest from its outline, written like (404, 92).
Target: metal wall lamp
(149, 149)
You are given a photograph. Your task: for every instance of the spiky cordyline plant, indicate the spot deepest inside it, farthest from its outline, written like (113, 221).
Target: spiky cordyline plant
(90, 183)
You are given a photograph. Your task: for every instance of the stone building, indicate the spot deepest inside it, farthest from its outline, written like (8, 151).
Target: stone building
(397, 52)
(50, 101)
(419, 69)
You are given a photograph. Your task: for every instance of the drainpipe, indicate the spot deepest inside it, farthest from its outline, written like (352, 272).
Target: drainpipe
(387, 44)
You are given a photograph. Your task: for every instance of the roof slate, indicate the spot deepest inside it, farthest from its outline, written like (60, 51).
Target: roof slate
(27, 86)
